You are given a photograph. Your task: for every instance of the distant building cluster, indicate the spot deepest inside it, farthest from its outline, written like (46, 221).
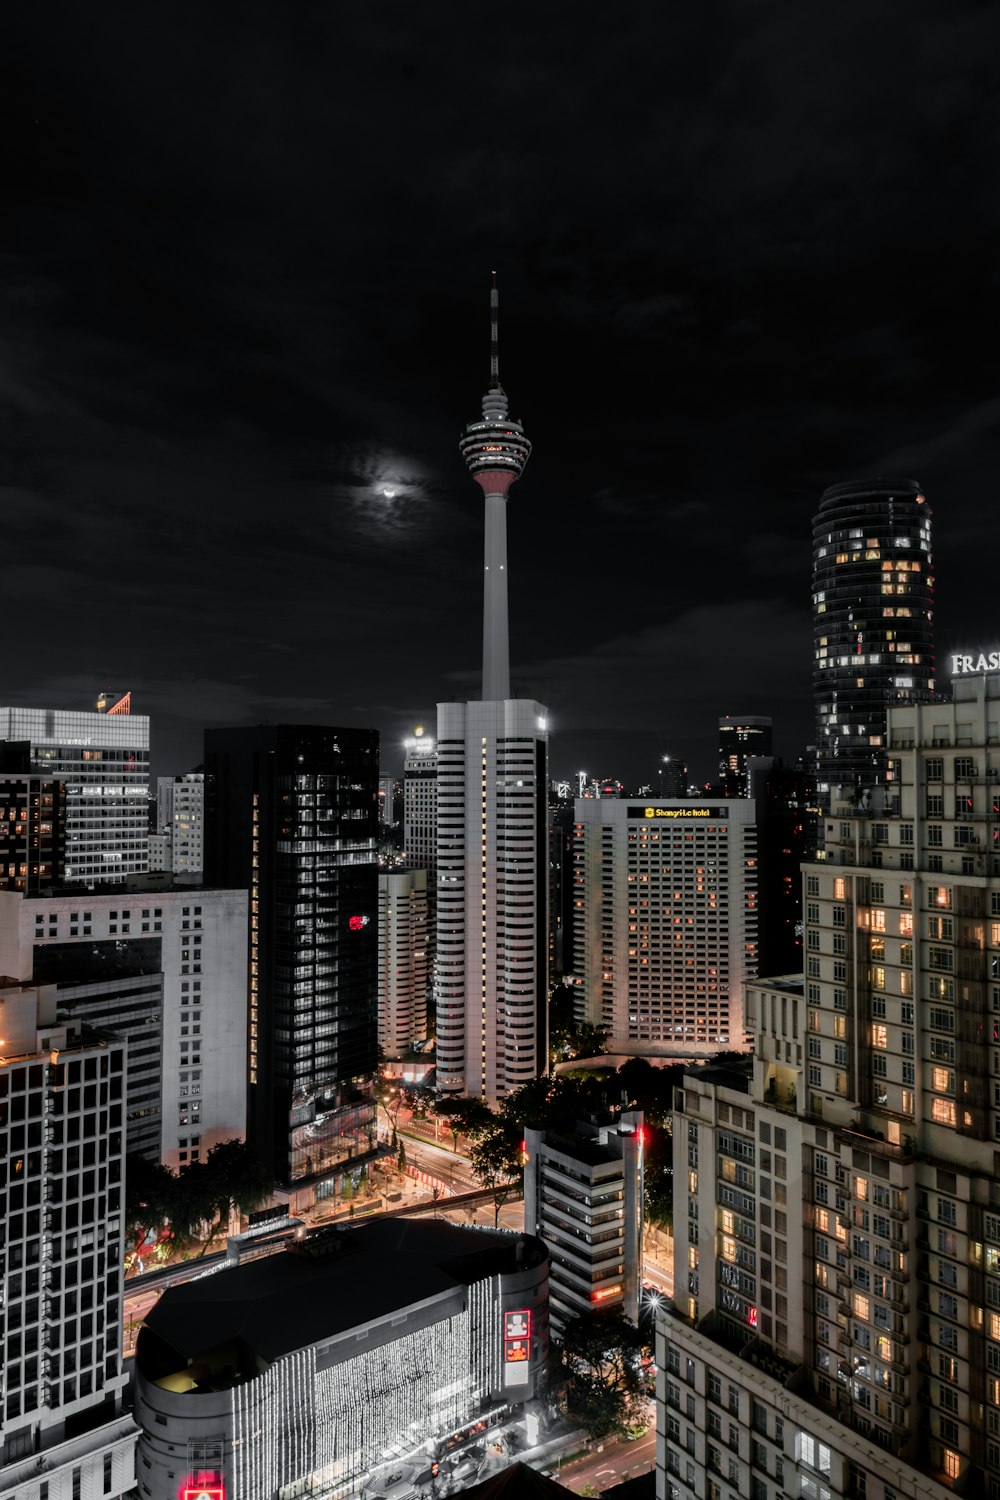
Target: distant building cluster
(251, 954)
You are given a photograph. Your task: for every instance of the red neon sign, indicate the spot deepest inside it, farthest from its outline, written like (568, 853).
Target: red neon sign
(213, 1489)
(357, 923)
(752, 1316)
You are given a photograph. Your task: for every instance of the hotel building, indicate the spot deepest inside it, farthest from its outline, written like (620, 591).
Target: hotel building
(665, 897)
(850, 1346)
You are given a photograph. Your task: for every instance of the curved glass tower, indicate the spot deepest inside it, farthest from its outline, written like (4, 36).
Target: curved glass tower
(873, 613)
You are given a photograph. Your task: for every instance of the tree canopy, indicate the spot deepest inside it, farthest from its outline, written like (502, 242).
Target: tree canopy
(602, 1356)
(230, 1180)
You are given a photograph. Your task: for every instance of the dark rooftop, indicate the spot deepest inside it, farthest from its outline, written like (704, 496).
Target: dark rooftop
(331, 1282)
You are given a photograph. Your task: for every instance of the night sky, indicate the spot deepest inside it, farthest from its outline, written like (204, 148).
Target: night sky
(744, 251)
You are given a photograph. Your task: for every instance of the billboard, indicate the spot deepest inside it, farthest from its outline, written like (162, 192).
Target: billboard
(516, 1347)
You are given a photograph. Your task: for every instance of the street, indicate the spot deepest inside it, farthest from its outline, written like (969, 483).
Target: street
(619, 1459)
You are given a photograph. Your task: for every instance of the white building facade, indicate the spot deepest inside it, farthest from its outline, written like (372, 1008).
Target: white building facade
(166, 969)
(420, 804)
(583, 1196)
(665, 913)
(62, 1143)
(104, 761)
(180, 818)
(404, 972)
(491, 981)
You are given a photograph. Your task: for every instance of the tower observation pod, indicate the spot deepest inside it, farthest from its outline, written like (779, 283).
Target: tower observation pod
(496, 451)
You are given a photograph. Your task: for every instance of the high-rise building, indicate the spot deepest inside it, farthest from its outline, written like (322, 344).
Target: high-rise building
(671, 777)
(165, 969)
(787, 832)
(292, 815)
(103, 761)
(583, 1196)
(32, 833)
(492, 833)
(838, 1315)
(180, 817)
(873, 611)
(665, 898)
(740, 737)
(404, 972)
(64, 1431)
(420, 804)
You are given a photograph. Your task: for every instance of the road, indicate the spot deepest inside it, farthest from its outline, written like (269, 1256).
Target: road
(619, 1460)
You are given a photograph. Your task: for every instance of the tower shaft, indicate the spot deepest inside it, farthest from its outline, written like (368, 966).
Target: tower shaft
(496, 638)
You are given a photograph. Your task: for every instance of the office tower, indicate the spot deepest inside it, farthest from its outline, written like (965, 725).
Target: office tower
(165, 970)
(491, 982)
(666, 922)
(671, 777)
(583, 1196)
(787, 832)
(346, 1365)
(103, 761)
(386, 800)
(404, 972)
(180, 818)
(32, 832)
(873, 610)
(856, 1338)
(292, 814)
(561, 930)
(420, 804)
(64, 1431)
(740, 737)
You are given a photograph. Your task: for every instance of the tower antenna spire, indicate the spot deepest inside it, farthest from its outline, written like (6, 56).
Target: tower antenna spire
(494, 350)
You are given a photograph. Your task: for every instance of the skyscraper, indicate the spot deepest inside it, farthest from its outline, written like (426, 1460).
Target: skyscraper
(836, 1323)
(873, 611)
(103, 761)
(292, 813)
(492, 832)
(740, 737)
(62, 1142)
(665, 898)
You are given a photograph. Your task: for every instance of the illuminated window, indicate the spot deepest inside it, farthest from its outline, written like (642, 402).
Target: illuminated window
(880, 1034)
(943, 1112)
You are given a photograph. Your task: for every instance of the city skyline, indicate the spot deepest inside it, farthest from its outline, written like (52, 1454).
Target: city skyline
(239, 351)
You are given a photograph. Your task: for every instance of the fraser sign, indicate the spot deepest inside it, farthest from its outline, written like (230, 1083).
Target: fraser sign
(970, 665)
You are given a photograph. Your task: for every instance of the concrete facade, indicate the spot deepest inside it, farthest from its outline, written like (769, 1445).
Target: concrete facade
(665, 910)
(492, 913)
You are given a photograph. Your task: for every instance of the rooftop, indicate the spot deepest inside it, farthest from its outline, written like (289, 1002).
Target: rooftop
(209, 1332)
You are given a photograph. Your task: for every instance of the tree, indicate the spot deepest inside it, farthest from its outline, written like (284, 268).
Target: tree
(496, 1159)
(149, 1202)
(569, 1037)
(602, 1361)
(469, 1117)
(659, 1177)
(401, 1158)
(230, 1180)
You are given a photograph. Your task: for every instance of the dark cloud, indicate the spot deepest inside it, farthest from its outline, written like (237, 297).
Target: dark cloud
(744, 251)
